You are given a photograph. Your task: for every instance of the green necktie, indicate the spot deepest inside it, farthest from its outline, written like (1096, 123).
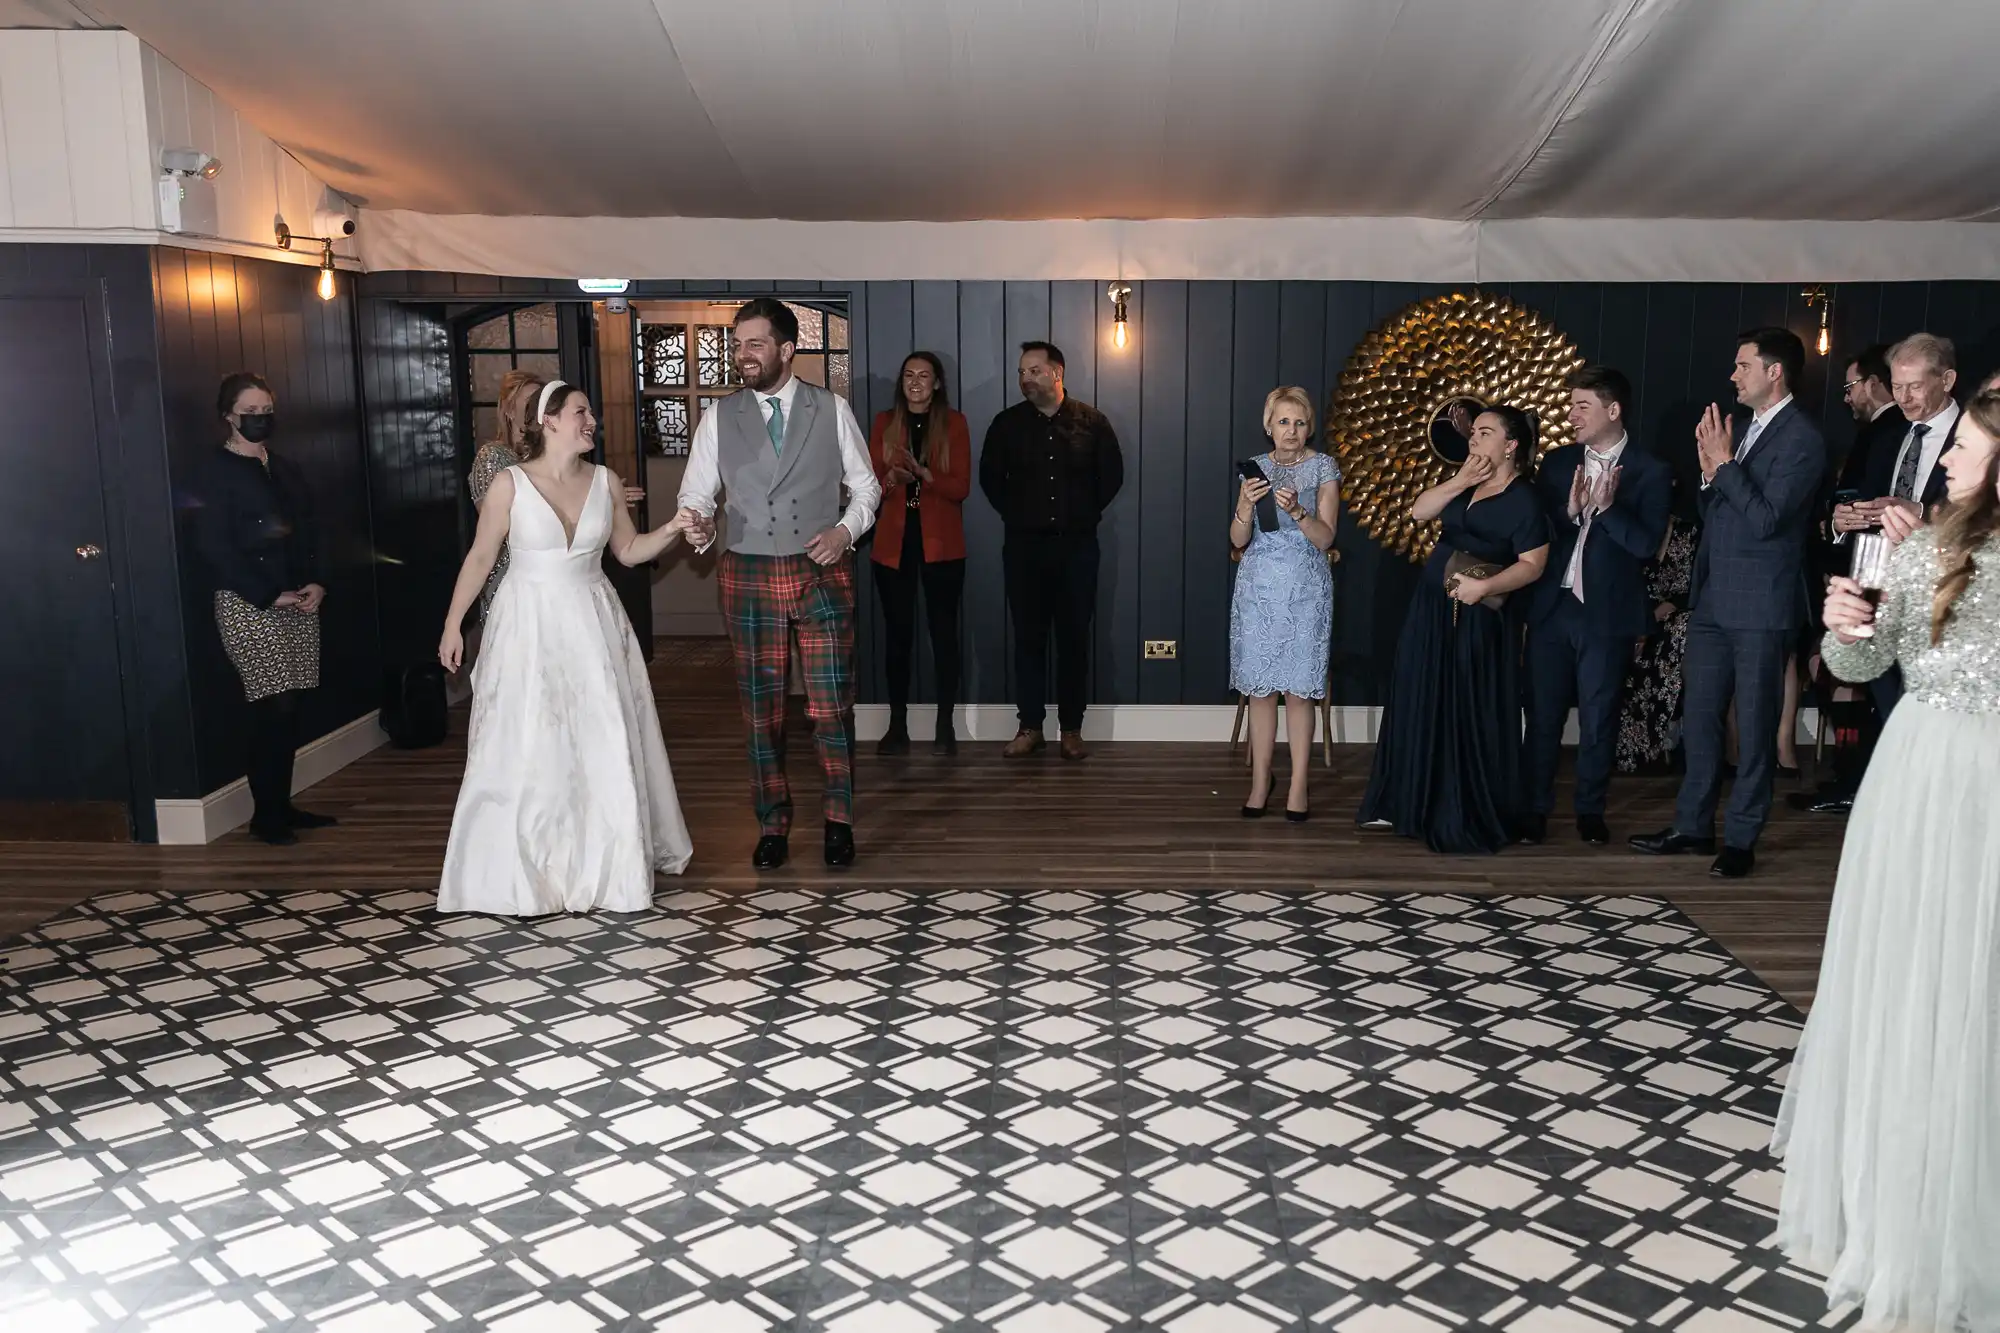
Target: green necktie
(775, 427)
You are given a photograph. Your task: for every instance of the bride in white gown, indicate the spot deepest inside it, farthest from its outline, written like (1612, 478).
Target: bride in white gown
(567, 804)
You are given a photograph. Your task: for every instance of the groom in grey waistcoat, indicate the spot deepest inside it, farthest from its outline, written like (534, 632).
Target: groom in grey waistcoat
(778, 452)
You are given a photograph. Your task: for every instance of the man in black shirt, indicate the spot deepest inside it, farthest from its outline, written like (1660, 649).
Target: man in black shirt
(1051, 466)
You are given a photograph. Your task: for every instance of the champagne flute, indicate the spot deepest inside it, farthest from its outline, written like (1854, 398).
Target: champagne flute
(1870, 569)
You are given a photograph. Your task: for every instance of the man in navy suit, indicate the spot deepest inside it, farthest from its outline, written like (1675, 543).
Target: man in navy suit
(1607, 505)
(1906, 471)
(1759, 484)
(1902, 470)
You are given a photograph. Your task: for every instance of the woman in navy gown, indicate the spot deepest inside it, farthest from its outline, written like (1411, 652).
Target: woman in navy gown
(1448, 757)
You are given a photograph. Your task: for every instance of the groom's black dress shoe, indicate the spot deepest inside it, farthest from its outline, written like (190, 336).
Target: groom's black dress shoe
(1671, 843)
(839, 844)
(1593, 830)
(1734, 863)
(771, 851)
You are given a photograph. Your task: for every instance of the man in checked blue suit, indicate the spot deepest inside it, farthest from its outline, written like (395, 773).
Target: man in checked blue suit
(1758, 488)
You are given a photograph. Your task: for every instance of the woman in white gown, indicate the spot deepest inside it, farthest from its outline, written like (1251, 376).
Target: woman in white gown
(1890, 1124)
(567, 804)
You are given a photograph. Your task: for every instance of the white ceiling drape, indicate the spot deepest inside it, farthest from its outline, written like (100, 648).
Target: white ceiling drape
(496, 129)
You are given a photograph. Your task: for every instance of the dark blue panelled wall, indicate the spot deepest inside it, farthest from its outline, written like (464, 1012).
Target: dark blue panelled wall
(168, 325)
(1186, 398)
(215, 314)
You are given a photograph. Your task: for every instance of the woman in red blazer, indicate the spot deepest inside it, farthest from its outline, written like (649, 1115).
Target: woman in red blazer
(923, 457)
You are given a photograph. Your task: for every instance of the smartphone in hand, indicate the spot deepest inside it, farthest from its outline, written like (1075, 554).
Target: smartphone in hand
(1267, 508)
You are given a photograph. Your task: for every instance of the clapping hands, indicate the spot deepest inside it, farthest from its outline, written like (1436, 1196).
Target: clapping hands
(1712, 441)
(1604, 490)
(1590, 496)
(904, 468)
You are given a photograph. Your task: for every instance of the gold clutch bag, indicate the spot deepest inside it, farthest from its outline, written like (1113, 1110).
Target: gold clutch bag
(1462, 566)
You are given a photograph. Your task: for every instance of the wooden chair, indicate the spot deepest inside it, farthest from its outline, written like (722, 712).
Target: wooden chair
(1323, 708)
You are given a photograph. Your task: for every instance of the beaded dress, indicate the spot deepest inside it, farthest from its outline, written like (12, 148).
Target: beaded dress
(1890, 1124)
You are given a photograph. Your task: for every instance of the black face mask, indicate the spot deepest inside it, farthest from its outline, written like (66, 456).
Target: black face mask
(256, 427)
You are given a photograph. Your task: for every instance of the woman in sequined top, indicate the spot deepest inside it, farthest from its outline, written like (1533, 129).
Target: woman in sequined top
(1890, 1124)
(495, 456)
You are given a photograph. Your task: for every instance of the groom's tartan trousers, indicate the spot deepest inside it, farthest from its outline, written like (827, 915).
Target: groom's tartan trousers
(767, 602)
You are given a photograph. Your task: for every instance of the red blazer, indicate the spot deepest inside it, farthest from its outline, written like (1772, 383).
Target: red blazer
(941, 506)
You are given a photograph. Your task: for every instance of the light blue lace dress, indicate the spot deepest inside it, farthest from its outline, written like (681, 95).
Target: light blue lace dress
(1281, 617)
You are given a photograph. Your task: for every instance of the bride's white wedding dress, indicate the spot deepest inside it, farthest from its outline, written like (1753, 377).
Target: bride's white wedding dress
(568, 804)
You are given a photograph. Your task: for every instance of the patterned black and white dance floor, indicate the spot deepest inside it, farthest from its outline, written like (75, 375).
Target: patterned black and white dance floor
(890, 1112)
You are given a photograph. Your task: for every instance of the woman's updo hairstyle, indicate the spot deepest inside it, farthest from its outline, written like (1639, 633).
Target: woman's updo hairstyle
(1518, 426)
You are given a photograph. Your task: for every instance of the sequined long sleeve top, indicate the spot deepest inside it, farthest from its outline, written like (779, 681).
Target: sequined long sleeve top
(1962, 672)
(492, 459)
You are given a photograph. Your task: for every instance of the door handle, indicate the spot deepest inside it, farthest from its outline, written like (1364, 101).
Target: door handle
(89, 552)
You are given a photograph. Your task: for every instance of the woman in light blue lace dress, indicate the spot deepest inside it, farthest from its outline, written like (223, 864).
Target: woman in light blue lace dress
(1281, 617)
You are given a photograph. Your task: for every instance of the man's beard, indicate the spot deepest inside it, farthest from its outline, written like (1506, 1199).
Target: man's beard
(764, 378)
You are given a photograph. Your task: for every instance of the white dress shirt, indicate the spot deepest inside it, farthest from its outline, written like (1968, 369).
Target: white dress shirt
(1594, 465)
(702, 481)
(1934, 438)
(1757, 424)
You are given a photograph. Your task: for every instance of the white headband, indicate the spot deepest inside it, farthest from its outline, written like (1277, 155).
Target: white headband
(542, 403)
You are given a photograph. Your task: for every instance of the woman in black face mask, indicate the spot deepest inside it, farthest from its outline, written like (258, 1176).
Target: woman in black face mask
(251, 531)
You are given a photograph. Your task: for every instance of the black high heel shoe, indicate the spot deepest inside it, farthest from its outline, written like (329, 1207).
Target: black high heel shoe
(1258, 811)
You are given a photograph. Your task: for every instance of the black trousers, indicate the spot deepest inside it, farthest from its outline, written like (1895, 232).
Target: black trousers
(1850, 762)
(273, 743)
(943, 584)
(1051, 586)
(1569, 664)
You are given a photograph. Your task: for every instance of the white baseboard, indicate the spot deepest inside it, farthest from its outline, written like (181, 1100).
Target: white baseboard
(1352, 725)
(196, 823)
(1105, 722)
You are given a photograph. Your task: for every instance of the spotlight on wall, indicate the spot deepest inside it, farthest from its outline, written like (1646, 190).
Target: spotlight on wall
(187, 191)
(326, 289)
(1121, 335)
(1822, 298)
(189, 162)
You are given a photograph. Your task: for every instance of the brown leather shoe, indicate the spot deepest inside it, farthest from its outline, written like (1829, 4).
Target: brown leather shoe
(1072, 746)
(1025, 743)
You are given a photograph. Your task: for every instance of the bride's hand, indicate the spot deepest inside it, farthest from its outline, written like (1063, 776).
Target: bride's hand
(451, 650)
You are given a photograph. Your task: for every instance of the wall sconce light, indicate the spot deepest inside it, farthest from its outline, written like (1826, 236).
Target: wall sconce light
(1823, 298)
(1121, 335)
(326, 288)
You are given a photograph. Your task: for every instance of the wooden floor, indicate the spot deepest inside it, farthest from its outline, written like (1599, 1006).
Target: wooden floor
(1138, 815)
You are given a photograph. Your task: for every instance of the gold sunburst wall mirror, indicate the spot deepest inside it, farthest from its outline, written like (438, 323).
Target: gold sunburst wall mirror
(1399, 421)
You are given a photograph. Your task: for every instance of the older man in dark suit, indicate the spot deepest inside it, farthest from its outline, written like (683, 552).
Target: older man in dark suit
(1759, 484)
(1606, 502)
